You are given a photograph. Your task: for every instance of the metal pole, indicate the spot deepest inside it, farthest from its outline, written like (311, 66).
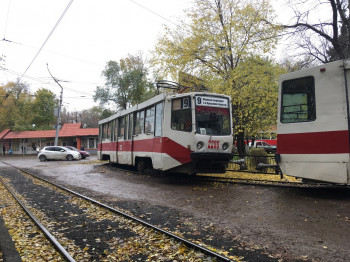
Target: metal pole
(59, 107)
(59, 116)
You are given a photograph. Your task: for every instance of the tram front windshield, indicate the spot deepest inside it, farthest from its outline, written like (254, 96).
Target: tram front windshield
(212, 116)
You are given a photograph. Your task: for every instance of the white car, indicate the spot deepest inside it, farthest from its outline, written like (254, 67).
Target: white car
(57, 152)
(270, 149)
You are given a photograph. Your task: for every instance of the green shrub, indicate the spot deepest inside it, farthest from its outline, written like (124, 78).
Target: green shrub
(257, 156)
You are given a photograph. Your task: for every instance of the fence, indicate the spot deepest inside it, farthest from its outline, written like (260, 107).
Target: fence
(254, 164)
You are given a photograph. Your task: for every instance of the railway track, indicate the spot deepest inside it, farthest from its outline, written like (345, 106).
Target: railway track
(84, 229)
(57, 246)
(242, 181)
(270, 183)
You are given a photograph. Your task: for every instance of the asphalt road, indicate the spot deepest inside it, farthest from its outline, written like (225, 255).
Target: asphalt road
(286, 224)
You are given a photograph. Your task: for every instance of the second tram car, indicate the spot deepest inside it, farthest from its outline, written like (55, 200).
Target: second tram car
(313, 123)
(184, 133)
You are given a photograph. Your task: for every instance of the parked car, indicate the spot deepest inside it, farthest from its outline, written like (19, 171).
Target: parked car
(83, 153)
(271, 149)
(58, 152)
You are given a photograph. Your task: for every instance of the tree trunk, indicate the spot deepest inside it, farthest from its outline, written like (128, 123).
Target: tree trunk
(241, 144)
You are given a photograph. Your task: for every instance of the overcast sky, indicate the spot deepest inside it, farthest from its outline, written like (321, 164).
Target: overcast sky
(90, 34)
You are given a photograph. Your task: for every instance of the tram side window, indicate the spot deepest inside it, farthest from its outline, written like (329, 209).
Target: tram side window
(104, 131)
(126, 127)
(159, 118)
(115, 130)
(100, 133)
(121, 127)
(131, 120)
(140, 123)
(149, 121)
(298, 100)
(109, 130)
(181, 114)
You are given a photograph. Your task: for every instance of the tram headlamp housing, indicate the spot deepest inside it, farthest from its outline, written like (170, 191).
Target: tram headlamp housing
(199, 145)
(225, 146)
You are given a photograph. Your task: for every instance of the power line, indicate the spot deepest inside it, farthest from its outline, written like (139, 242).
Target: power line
(42, 81)
(149, 10)
(155, 13)
(47, 38)
(55, 53)
(45, 81)
(7, 17)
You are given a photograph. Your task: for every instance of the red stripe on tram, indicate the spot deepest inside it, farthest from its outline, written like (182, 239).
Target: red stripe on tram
(156, 145)
(330, 142)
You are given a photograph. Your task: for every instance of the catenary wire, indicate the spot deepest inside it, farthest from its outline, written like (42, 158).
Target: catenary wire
(6, 21)
(47, 38)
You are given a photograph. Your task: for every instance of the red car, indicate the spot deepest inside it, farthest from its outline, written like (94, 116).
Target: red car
(83, 154)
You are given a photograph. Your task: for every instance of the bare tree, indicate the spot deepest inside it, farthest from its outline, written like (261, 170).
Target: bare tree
(321, 28)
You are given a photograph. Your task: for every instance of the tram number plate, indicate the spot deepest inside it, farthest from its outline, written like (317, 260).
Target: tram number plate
(213, 144)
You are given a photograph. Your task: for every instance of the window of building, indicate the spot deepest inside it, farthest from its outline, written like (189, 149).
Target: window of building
(92, 143)
(83, 142)
(298, 100)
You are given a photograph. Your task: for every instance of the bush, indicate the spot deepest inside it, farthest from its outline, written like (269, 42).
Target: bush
(257, 156)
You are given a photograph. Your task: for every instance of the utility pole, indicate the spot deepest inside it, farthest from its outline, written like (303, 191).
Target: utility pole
(59, 107)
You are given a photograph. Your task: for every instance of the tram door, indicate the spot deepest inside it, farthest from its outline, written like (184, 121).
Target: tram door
(115, 140)
(125, 141)
(157, 144)
(129, 139)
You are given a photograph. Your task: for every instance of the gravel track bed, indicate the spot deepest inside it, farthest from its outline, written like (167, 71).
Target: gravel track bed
(184, 225)
(91, 234)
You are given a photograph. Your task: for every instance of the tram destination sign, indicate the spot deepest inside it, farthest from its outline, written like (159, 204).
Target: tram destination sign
(212, 101)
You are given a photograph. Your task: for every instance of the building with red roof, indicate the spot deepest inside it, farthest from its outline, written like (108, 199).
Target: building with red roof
(26, 142)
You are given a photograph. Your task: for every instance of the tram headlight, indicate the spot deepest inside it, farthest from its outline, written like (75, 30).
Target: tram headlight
(200, 145)
(225, 146)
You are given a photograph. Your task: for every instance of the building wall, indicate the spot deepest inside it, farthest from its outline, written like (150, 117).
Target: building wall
(28, 146)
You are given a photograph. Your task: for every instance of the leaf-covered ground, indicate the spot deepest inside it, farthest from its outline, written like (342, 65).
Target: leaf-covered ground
(31, 244)
(252, 223)
(256, 176)
(88, 232)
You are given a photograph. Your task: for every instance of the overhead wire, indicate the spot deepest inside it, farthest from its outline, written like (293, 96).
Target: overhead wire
(45, 82)
(47, 38)
(153, 12)
(61, 17)
(7, 17)
(177, 25)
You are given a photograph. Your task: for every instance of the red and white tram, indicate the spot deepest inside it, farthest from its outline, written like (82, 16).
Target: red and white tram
(313, 123)
(185, 133)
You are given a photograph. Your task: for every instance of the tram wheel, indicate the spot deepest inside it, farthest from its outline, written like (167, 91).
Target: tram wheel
(141, 165)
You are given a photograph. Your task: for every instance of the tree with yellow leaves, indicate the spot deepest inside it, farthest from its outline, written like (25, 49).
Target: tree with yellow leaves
(21, 110)
(226, 43)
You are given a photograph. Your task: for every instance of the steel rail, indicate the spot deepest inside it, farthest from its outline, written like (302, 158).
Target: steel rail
(272, 183)
(46, 232)
(255, 182)
(165, 232)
